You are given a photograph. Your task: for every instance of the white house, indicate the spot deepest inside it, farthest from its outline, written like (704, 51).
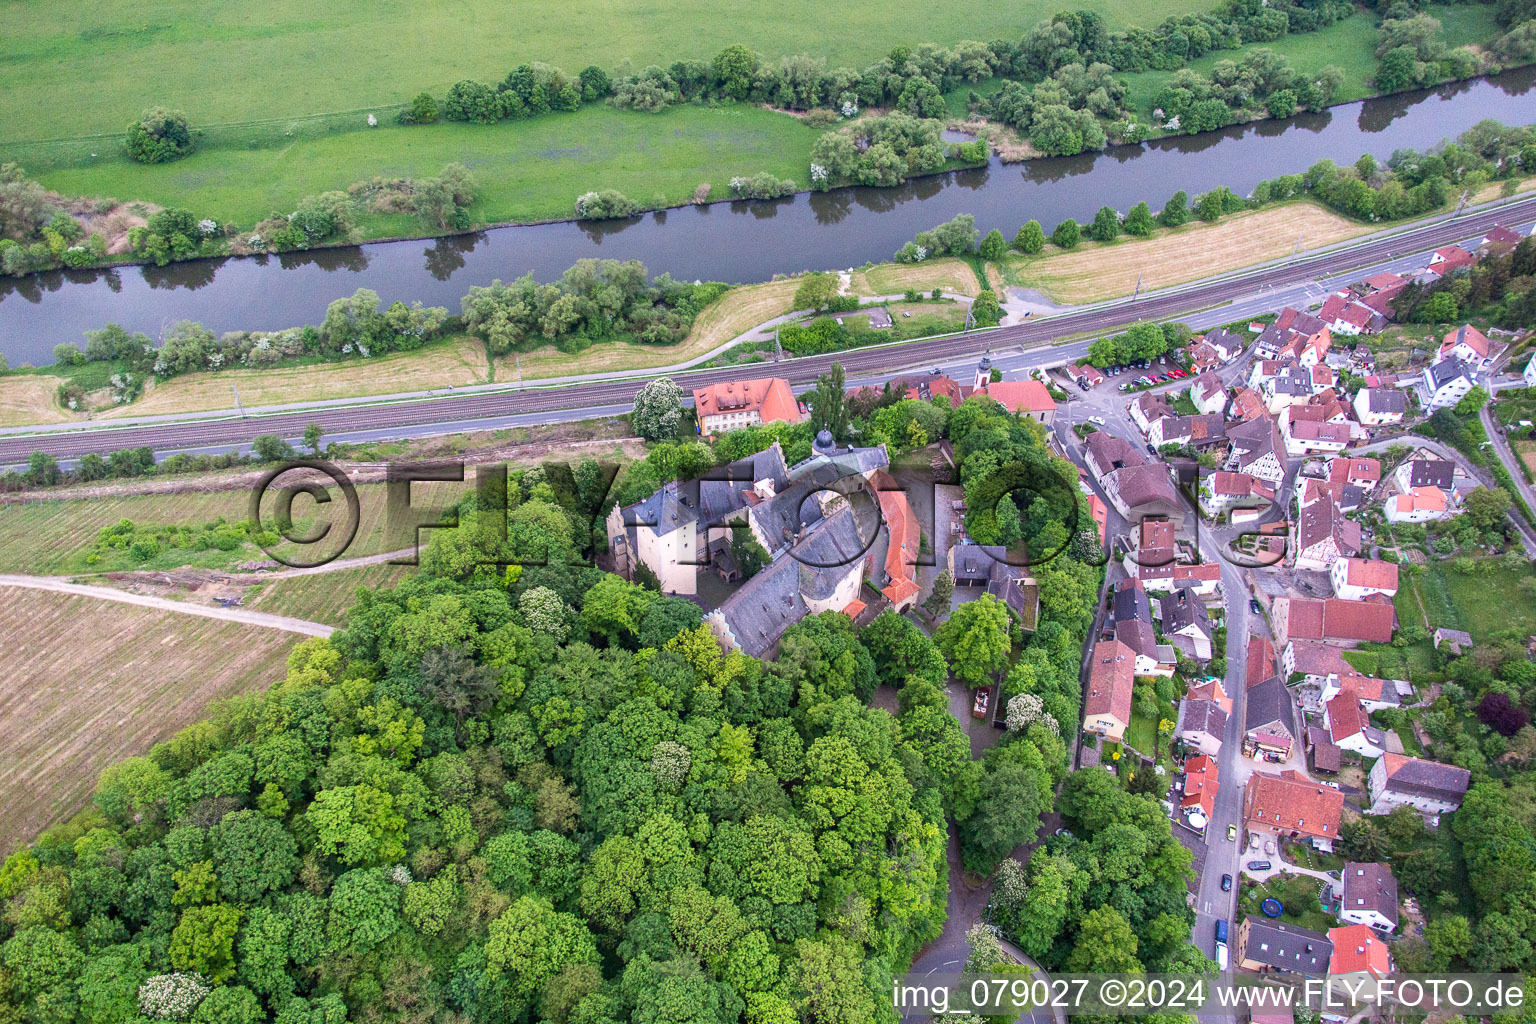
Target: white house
(1349, 727)
(1375, 407)
(1530, 373)
(1429, 786)
(1420, 505)
(1413, 473)
(1468, 344)
(1446, 382)
(1374, 694)
(1356, 578)
(1370, 896)
(1209, 394)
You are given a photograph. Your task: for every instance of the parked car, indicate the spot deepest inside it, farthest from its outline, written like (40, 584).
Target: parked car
(1260, 865)
(1099, 420)
(1330, 785)
(1151, 450)
(1254, 606)
(1226, 883)
(1125, 387)
(1082, 383)
(1065, 833)
(1177, 373)
(1232, 833)
(983, 701)
(1221, 931)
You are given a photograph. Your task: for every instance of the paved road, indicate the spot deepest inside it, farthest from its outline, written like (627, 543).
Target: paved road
(242, 615)
(1242, 294)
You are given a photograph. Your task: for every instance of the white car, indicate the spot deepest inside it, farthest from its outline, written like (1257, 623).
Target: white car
(1099, 420)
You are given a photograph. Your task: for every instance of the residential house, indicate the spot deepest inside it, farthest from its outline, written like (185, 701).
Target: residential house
(1333, 619)
(1351, 480)
(1131, 612)
(1313, 661)
(1370, 896)
(1269, 721)
(820, 573)
(1291, 805)
(1445, 383)
(1418, 505)
(1292, 385)
(1260, 661)
(1186, 623)
(926, 387)
(1263, 371)
(1305, 436)
(1135, 487)
(1449, 259)
(1457, 641)
(1227, 345)
(1274, 947)
(1501, 237)
(1344, 314)
(1324, 535)
(731, 405)
(1148, 408)
(1373, 694)
(1152, 554)
(1258, 450)
(1530, 373)
(1355, 578)
(1270, 341)
(1221, 490)
(1349, 727)
(1203, 724)
(1111, 679)
(1425, 472)
(1428, 786)
(1208, 393)
(1026, 397)
(1326, 756)
(1247, 405)
(1200, 786)
(1471, 346)
(1359, 961)
(1379, 407)
(1088, 374)
(1200, 431)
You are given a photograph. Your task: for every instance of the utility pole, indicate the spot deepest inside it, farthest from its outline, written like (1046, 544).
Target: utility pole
(1138, 287)
(238, 407)
(519, 361)
(1460, 204)
(778, 350)
(1298, 247)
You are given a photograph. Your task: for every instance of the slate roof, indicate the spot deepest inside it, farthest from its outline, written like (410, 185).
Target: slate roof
(1203, 716)
(1370, 887)
(1322, 520)
(1385, 400)
(1269, 710)
(1287, 947)
(774, 599)
(1181, 608)
(1413, 776)
(1445, 371)
(1431, 473)
(710, 498)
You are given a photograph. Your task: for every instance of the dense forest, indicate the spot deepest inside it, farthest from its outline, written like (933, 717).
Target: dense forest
(544, 793)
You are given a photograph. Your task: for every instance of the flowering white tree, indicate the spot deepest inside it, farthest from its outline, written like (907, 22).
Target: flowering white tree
(544, 612)
(670, 762)
(1009, 888)
(373, 122)
(207, 226)
(172, 996)
(658, 409)
(1024, 710)
(818, 174)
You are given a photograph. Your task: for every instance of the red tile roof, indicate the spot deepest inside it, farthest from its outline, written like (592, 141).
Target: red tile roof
(1346, 717)
(1111, 680)
(1020, 395)
(1289, 802)
(1358, 620)
(1200, 784)
(904, 540)
(1366, 572)
(1475, 339)
(1356, 948)
(770, 396)
(1261, 661)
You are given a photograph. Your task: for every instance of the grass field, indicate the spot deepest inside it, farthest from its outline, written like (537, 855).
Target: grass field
(1349, 45)
(527, 170)
(1097, 271)
(51, 537)
(98, 65)
(1483, 616)
(30, 399)
(130, 678)
(324, 597)
(453, 363)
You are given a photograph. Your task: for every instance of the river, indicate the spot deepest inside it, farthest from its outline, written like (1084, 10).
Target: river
(741, 242)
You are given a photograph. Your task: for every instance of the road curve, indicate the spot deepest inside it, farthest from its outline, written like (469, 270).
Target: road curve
(858, 362)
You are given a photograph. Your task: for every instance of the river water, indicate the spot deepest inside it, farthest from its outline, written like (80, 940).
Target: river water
(742, 242)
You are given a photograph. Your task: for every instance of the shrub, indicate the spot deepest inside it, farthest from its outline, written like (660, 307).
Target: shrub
(1030, 239)
(761, 185)
(423, 110)
(159, 136)
(604, 205)
(1067, 235)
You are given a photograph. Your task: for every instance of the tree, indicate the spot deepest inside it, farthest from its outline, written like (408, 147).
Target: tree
(1066, 235)
(984, 308)
(1210, 206)
(816, 291)
(1105, 944)
(271, 448)
(1472, 402)
(614, 607)
(733, 69)
(252, 855)
(994, 246)
(1105, 226)
(943, 589)
(313, 432)
(828, 403)
(1139, 221)
(1281, 103)
(1030, 239)
(158, 136)
(975, 640)
(204, 941)
(1486, 507)
(357, 824)
(1176, 210)
(658, 409)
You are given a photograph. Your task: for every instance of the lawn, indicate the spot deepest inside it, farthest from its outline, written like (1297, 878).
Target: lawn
(98, 65)
(130, 678)
(1298, 898)
(1095, 271)
(1481, 612)
(527, 170)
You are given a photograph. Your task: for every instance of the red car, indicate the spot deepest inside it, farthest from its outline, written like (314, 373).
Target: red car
(1177, 373)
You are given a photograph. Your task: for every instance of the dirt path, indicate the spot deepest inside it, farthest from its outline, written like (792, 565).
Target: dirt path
(241, 615)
